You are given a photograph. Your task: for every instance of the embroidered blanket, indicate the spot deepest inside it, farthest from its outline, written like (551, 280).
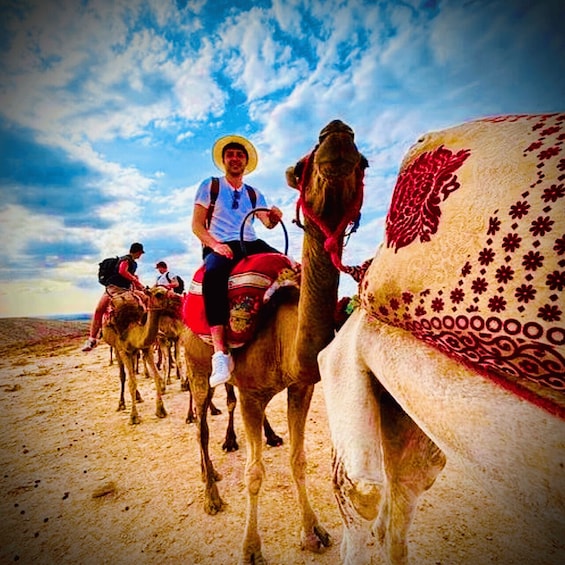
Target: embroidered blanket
(251, 284)
(473, 261)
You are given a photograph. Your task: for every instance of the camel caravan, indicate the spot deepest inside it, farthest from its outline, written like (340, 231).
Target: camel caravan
(455, 349)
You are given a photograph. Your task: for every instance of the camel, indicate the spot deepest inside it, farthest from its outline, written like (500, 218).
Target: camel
(171, 327)
(458, 348)
(169, 338)
(283, 352)
(127, 332)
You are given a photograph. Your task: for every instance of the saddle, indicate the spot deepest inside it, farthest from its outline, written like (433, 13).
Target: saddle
(252, 283)
(124, 310)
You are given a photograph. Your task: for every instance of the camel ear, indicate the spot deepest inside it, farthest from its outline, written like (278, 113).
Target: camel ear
(291, 179)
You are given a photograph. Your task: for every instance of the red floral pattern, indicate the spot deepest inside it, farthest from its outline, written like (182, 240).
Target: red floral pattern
(415, 209)
(530, 349)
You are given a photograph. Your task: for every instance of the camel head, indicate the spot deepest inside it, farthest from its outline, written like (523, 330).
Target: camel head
(158, 298)
(330, 178)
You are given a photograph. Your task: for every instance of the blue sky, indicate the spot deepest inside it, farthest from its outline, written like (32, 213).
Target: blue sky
(109, 109)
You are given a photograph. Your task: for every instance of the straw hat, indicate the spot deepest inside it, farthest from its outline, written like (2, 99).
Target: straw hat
(223, 141)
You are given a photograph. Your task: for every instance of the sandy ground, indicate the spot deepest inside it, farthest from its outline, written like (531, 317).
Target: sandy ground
(81, 485)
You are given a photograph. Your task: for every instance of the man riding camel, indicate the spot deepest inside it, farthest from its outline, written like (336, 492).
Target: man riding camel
(122, 280)
(216, 223)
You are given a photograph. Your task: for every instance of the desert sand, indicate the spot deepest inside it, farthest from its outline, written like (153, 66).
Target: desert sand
(80, 485)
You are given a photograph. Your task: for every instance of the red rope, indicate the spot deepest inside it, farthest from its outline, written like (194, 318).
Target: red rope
(332, 242)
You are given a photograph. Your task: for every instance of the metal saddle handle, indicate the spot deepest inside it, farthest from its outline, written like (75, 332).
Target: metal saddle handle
(241, 230)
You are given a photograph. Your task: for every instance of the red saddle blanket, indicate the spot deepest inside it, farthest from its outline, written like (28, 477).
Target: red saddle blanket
(250, 279)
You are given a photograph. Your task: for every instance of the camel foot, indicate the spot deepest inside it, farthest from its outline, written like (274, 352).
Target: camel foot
(134, 419)
(184, 386)
(160, 411)
(274, 440)
(138, 397)
(121, 407)
(253, 558)
(213, 502)
(230, 445)
(190, 418)
(316, 541)
(214, 411)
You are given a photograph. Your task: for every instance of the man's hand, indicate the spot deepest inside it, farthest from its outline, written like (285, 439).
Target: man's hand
(275, 216)
(223, 249)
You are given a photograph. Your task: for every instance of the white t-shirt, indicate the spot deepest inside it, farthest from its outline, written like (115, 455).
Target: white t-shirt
(162, 280)
(226, 221)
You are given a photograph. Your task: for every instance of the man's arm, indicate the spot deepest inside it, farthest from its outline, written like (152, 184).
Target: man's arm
(271, 218)
(201, 232)
(124, 272)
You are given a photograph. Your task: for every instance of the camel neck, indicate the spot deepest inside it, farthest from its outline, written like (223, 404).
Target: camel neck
(316, 307)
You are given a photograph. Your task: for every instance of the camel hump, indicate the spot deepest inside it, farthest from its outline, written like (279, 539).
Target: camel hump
(473, 257)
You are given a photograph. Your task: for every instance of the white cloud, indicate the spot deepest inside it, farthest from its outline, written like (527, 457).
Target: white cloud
(197, 93)
(102, 82)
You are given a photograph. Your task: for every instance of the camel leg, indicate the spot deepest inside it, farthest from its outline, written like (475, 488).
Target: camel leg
(190, 416)
(122, 401)
(129, 362)
(168, 361)
(253, 412)
(411, 462)
(230, 443)
(177, 357)
(272, 438)
(313, 536)
(202, 395)
(159, 362)
(149, 361)
(184, 379)
(214, 410)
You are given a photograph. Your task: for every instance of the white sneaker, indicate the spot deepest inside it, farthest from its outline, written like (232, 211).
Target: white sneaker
(222, 366)
(90, 344)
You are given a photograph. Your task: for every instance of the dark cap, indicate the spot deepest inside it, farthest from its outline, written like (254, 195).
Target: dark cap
(136, 248)
(161, 264)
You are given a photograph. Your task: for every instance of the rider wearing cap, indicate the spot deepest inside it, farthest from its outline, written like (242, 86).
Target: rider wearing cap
(122, 280)
(235, 156)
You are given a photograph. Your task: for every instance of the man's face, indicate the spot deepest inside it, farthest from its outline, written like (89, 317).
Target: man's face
(235, 161)
(161, 269)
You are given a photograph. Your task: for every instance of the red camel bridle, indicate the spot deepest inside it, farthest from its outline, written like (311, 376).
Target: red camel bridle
(334, 240)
